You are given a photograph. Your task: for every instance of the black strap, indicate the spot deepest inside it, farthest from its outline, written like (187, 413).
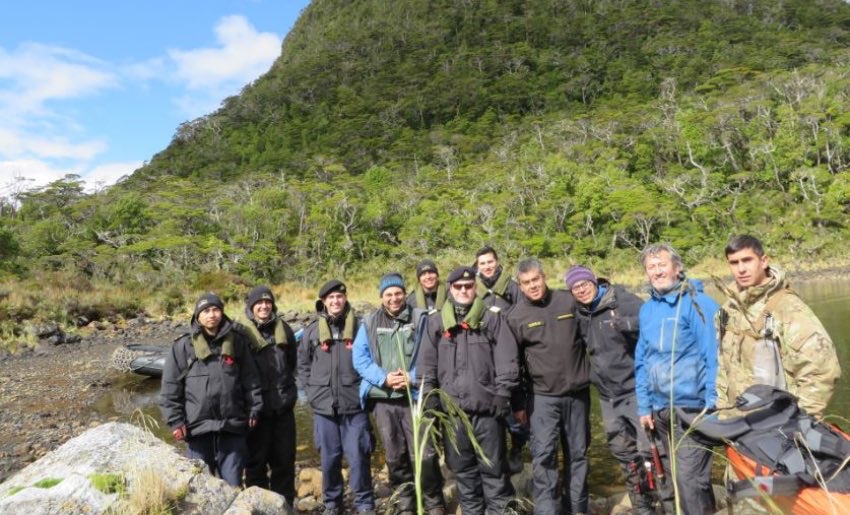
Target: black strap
(189, 364)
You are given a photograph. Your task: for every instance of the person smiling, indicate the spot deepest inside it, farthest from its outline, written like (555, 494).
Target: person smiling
(676, 359)
(608, 324)
(271, 448)
(385, 352)
(546, 331)
(470, 354)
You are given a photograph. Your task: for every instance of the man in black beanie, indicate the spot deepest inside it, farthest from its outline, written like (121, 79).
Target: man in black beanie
(340, 424)
(430, 293)
(471, 354)
(271, 448)
(210, 395)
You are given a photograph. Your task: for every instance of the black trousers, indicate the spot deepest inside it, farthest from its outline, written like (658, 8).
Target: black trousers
(482, 488)
(560, 420)
(693, 467)
(395, 425)
(271, 454)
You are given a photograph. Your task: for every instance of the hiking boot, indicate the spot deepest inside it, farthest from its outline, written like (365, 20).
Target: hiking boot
(437, 510)
(515, 460)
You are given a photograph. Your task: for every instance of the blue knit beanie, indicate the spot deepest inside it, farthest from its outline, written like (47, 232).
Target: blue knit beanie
(391, 279)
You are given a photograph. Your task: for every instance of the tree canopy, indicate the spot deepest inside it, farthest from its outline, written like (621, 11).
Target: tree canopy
(390, 131)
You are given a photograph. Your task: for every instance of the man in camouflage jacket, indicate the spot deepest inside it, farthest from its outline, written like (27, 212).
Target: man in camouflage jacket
(768, 335)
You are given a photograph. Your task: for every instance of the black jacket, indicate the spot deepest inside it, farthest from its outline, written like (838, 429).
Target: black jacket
(504, 302)
(610, 332)
(216, 394)
(276, 364)
(547, 334)
(328, 377)
(478, 368)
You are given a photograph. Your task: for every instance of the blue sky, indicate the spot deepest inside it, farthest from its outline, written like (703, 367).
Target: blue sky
(97, 87)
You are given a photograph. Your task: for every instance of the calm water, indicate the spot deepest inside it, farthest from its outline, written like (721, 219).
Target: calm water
(830, 300)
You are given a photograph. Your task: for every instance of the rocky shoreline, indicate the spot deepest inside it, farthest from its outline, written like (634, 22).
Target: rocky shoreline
(48, 395)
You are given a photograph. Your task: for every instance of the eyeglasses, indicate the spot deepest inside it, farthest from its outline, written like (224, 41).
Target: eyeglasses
(463, 286)
(583, 285)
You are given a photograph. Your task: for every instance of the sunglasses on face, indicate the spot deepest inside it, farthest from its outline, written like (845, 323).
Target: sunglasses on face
(463, 286)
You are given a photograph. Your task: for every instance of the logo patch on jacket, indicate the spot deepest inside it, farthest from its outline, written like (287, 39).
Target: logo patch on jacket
(535, 324)
(564, 317)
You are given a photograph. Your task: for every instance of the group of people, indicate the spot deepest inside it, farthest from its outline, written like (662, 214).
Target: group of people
(516, 357)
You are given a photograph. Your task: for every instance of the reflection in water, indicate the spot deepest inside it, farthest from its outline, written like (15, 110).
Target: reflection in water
(829, 300)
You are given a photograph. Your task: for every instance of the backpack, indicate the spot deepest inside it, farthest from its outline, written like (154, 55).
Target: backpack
(787, 449)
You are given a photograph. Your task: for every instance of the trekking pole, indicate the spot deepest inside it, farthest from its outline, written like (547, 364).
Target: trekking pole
(656, 456)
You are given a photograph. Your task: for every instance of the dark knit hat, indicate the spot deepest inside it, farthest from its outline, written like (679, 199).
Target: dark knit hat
(426, 265)
(330, 287)
(461, 272)
(390, 279)
(206, 300)
(577, 274)
(257, 294)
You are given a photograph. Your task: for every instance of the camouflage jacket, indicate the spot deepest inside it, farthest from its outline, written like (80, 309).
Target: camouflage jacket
(808, 357)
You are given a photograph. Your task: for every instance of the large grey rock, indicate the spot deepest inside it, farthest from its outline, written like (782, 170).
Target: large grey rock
(61, 481)
(257, 501)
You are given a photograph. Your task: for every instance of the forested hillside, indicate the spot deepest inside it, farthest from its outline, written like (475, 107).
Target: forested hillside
(389, 131)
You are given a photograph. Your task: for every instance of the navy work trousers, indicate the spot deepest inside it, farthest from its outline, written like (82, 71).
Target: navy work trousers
(224, 454)
(349, 435)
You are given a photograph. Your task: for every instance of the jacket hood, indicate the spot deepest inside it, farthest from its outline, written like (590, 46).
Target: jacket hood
(752, 294)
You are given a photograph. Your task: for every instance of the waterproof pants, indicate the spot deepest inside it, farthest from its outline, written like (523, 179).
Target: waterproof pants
(224, 454)
(560, 420)
(395, 425)
(693, 468)
(628, 444)
(271, 454)
(482, 488)
(350, 435)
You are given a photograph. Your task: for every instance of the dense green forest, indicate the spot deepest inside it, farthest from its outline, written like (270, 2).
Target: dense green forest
(565, 129)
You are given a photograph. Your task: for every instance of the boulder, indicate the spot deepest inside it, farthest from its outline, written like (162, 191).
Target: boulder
(100, 470)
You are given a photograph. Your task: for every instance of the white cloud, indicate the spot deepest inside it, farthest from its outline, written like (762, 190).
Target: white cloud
(34, 74)
(109, 173)
(244, 54)
(17, 144)
(27, 174)
(34, 172)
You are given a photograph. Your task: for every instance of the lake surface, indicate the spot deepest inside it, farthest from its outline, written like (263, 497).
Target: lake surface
(829, 299)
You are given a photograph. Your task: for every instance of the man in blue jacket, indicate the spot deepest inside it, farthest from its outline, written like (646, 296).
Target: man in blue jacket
(385, 351)
(676, 359)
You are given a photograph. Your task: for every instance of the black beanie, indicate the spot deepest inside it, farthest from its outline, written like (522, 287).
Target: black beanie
(426, 265)
(206, 300)
(257, 294)
(330, 287)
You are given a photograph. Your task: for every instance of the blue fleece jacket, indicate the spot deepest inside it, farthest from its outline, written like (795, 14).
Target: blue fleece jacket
(677, 350)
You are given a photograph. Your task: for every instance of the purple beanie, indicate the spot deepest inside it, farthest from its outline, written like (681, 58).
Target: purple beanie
(577, 274)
